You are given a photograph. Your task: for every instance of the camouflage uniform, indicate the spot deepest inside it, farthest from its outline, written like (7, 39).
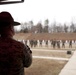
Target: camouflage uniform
(13, 57)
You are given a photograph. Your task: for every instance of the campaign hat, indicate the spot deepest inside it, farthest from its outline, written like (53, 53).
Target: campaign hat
(7, 19)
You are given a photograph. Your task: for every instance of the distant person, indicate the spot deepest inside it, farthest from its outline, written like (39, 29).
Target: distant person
(63, 44)
(35, 43)
(41, 42)
(31, 43)
(54, 43)
(14, 55)
(58, 43)
(70, 44)
(46, 42)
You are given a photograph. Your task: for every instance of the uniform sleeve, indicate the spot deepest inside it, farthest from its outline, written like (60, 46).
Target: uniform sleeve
(27, 58)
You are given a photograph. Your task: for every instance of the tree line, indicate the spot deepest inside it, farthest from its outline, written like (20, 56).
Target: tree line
(29, 27)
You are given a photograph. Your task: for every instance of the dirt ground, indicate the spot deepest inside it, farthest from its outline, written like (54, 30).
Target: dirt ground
(45, 67)
(52, 53)
(42, 66)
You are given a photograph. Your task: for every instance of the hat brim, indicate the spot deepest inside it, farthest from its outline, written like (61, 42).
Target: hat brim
(16, 23)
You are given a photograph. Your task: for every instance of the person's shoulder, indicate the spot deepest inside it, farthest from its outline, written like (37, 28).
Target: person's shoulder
(16, 42)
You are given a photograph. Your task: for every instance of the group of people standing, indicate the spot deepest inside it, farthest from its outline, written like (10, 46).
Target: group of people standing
(47, 43)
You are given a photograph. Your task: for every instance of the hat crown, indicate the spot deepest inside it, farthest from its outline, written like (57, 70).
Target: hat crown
(6, 18)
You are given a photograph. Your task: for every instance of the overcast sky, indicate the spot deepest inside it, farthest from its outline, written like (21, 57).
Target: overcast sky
(61, 11)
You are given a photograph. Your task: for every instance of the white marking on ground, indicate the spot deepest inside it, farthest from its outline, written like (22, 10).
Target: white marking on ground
(50, 50)
(54, 58)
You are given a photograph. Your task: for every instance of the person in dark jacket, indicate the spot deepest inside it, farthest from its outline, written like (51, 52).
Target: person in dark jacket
(14, 55)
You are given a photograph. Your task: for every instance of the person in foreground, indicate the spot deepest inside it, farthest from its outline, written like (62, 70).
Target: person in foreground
(14, 55)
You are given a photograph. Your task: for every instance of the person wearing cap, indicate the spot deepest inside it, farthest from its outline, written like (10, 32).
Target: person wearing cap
(14, 55)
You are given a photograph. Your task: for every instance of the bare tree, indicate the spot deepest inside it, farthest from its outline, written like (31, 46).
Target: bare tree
(54, 27)
(72, 27)
(30, 25)
(39, 28)
(46, 22)
(65, 28)
(45, 29)
(24, 28)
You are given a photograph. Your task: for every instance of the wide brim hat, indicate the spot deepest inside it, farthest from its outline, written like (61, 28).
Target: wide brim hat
(7, 19)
